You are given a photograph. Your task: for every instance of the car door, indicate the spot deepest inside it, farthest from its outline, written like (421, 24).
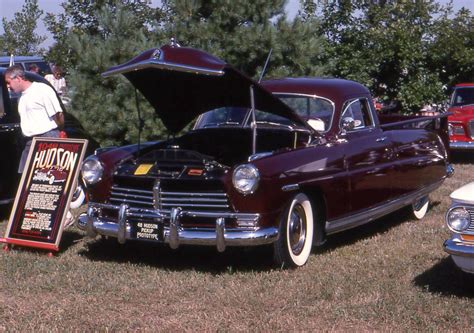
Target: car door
(368, 156)
(10, 145)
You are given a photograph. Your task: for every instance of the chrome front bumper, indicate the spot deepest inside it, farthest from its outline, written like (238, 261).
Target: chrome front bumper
(462, 254)
(461, 145)
(174, 234)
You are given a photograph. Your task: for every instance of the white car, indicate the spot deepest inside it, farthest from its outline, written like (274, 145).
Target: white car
(460, 220)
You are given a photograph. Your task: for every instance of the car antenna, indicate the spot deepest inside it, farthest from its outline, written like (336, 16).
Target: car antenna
(141, 123)
(265, 66)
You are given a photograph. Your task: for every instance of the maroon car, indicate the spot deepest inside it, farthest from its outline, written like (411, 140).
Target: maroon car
(461, 120)
(286, 162)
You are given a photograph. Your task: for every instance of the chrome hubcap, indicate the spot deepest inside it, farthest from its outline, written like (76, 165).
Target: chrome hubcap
(420, 203)
(297, 230)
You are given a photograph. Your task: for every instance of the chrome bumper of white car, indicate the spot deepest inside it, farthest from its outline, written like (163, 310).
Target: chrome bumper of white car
(462, 254)
(174, 234)
(461, 145)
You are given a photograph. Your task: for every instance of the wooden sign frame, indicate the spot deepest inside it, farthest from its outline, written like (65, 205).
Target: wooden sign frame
(46, 188)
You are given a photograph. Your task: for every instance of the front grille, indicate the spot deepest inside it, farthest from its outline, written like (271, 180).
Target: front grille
(471, 129)
(193, 201)
(165, 198)
(132, 197)
(470, 229)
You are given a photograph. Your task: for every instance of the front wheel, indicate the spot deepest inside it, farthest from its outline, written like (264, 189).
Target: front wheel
(420, 207)
(293, 247)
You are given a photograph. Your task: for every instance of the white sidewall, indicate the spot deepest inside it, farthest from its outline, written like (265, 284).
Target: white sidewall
(301, 258)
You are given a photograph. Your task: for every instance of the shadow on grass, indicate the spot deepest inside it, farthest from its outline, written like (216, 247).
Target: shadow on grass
(447, 279)
(200, 258)
(376, 227)
(462, 157)
(207, 259)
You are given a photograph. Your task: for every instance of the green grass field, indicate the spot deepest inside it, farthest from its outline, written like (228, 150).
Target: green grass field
(390, 275)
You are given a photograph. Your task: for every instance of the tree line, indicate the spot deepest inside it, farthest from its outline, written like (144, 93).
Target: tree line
(402, 50)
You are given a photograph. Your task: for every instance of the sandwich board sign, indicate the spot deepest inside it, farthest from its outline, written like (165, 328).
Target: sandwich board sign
(46, 188)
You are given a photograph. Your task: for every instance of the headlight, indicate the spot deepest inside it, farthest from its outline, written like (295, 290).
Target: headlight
(456, 129)
(246, 178)
(458, 219)
(92, 170)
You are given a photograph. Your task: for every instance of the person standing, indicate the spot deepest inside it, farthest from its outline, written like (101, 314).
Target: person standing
(57, 80)
(39, 108)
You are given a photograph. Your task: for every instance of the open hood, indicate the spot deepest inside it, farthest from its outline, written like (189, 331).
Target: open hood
(182, 83)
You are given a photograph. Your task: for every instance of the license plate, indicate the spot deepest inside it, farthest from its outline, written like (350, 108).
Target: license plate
(147, 231)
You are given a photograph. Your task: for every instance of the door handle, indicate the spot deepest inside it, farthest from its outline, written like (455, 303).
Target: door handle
(382, 139)
(9, 127)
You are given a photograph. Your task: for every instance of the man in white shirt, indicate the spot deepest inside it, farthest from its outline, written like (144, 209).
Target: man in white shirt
(39, 108)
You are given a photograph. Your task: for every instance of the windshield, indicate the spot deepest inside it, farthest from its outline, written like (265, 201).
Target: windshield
(463, 96)
(317, 111)
(239, 117)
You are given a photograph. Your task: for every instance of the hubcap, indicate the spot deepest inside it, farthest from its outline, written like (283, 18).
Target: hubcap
(297, 230)
(420, 203)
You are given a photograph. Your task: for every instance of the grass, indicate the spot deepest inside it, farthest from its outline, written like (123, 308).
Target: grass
(390, 275)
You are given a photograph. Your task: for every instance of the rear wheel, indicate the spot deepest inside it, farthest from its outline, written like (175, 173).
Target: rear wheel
(420, 207)
(293, 247)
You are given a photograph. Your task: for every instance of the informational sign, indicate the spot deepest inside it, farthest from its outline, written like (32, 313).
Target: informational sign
(45, 192)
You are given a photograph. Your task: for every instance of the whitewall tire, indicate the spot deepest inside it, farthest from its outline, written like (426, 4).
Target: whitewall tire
(420, 207)
(293, 247)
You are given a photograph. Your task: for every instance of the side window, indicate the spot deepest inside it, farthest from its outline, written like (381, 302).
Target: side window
(359, 110)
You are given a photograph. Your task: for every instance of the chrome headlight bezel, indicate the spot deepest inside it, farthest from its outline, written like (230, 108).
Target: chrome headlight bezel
(246, 178)
(92, 170)
(458, 219)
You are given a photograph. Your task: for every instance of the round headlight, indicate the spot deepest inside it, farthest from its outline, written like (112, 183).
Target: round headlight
(458, 219)
(92, 170)
(246, 178)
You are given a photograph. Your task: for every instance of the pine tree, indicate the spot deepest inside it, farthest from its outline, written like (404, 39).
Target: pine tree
(106, 106)
(243, 32)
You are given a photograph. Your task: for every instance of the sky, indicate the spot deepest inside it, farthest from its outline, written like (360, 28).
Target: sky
(9, 7)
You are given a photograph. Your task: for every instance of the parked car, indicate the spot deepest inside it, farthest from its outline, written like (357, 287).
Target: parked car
(461, 121)
(286, 162)
(460, 220)
(26, 62)
(12, 140)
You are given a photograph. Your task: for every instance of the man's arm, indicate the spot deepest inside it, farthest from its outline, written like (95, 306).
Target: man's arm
(59, 119)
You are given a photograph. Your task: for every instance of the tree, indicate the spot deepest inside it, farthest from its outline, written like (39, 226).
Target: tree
(243, 32)
(20, 37)
(451, 52)
(106, 107)
(384, 44)
(83, 18)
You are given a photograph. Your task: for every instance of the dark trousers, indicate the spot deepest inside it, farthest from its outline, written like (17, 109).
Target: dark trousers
(24, 155)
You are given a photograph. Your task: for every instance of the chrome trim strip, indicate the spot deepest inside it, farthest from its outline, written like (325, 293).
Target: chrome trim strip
(193, 199)
(122, 223)
(128, 189)
(163, 65)
(220, 234)
(196, 194)
(458, 249)
(290, 187)
(461, 145)
(174, 226)
(194, 205)
(121, 201)
(355, 220)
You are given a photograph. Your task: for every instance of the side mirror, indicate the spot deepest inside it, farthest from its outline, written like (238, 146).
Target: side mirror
(348, 124)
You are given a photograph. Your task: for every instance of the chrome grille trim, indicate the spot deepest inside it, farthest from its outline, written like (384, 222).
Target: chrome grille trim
(470, 229)
(471, 129)
(159, 199)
